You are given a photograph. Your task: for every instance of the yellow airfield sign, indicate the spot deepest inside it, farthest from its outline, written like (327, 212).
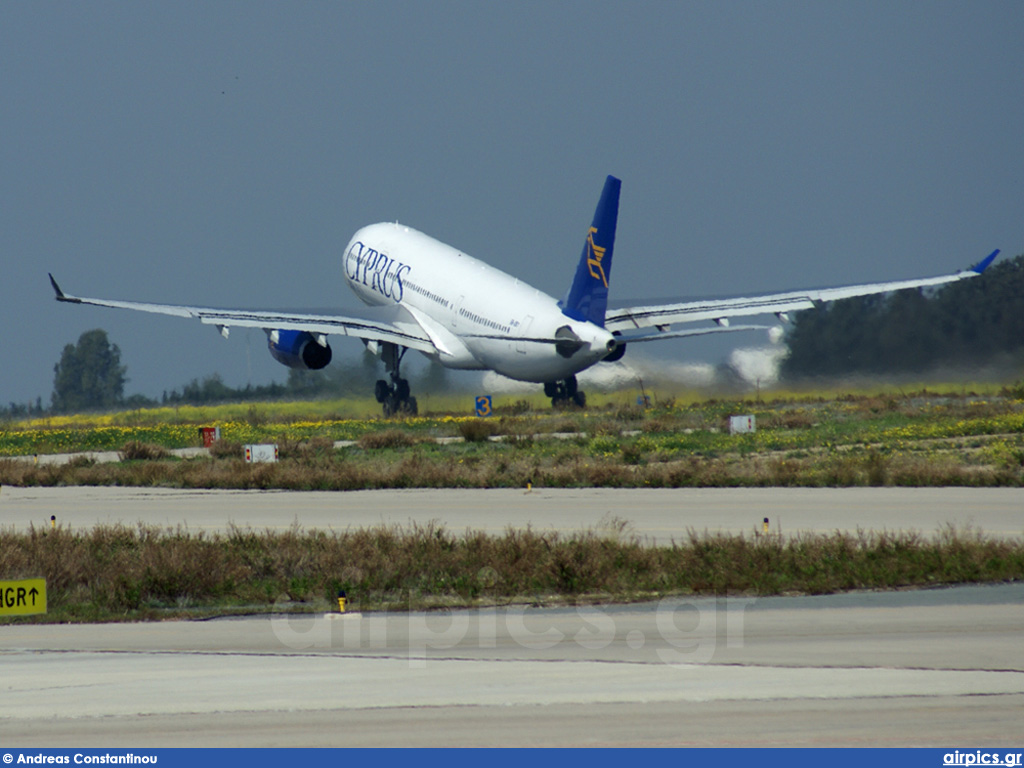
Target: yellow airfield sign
(22, 597)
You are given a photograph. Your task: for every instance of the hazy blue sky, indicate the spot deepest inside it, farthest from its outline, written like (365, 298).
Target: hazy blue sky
(222, 153)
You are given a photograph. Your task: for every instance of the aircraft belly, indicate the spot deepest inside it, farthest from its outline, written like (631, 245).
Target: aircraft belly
(537, 368)
(460, 356)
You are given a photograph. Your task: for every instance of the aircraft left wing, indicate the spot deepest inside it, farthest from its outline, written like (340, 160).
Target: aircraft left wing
(630, 320)
(387, 324)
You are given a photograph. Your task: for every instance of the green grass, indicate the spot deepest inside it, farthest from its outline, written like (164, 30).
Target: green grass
(886, 438)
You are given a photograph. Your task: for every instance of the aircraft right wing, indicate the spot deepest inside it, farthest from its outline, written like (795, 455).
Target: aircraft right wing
(386, 324)
(630, 321)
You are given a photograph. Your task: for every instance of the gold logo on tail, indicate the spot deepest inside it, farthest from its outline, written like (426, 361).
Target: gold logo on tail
(594, 255)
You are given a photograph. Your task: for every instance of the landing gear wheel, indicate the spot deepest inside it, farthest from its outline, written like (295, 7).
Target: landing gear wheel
(565, 393)
(394, 395)
(402, 390)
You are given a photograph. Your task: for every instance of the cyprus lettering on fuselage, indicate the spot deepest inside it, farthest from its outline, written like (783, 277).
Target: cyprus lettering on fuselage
(376, 270)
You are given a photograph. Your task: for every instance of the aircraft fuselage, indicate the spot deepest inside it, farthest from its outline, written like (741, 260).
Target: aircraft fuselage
(478, 316)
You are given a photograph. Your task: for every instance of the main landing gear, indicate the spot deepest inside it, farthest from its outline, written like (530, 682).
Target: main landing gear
(395, 396)
(564, 393)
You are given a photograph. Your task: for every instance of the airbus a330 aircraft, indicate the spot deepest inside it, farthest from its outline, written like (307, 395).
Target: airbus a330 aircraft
(430, 297)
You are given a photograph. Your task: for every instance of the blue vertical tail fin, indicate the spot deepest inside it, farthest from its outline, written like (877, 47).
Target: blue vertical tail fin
(587, 297)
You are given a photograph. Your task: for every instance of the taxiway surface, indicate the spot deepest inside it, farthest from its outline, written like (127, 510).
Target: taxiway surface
(936, 668)
(657, 515)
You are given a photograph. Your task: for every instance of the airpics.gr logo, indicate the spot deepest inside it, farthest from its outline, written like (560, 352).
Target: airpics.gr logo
(595, 253)
(376, 270)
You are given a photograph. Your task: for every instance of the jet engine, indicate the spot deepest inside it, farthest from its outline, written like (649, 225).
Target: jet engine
(299, 349)
(615, 354)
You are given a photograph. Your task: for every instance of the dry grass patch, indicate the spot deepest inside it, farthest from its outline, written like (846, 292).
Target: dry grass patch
(477, 431)
(390, 438)
(139, 451)
(122, 572)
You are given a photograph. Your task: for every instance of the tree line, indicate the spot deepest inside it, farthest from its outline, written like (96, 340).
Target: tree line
(90, 376)
(962, 325)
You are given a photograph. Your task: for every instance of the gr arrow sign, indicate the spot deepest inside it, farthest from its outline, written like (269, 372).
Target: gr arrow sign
(24, 597)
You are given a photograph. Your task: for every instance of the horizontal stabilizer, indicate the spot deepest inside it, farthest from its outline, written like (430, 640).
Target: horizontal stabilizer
(684, 332)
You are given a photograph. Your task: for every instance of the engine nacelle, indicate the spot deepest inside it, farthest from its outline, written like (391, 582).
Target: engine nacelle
(298, 349)
(615, 354)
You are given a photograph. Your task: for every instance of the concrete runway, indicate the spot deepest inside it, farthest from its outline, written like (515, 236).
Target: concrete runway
(658, 515)
(932, 668)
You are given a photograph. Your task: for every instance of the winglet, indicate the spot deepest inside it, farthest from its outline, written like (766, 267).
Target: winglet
(587, 297)
(56, 289)
(982, 265)
(61, 296)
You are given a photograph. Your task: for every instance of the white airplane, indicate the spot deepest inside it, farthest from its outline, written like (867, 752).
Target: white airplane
(430, 297)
